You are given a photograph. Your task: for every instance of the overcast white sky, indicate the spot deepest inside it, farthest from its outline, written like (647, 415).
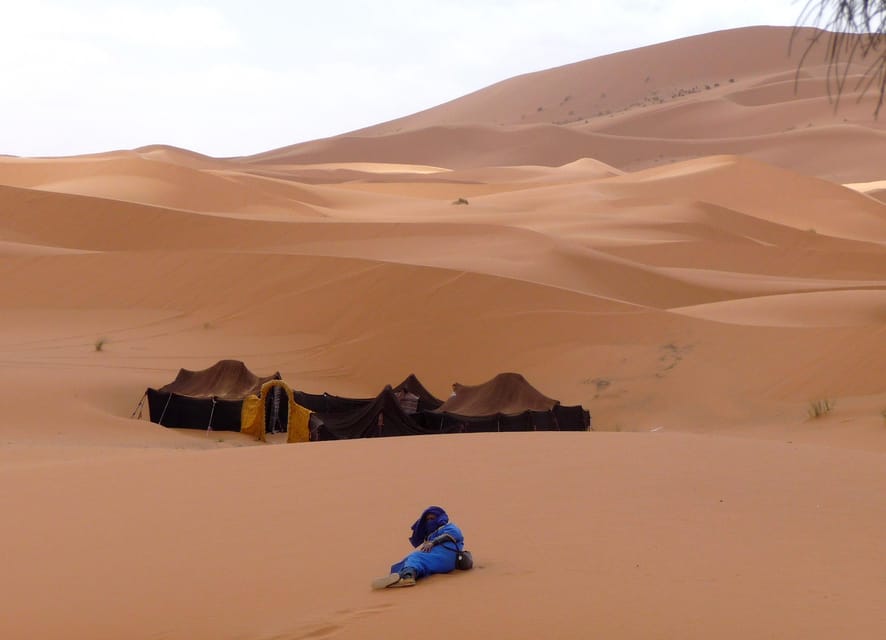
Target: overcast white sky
(234, 77)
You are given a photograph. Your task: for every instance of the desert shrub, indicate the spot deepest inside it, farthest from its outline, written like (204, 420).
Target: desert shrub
(100, 344)
(460, 201)
(820, 407)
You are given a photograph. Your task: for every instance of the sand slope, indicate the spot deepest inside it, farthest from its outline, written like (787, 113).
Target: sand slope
(202, 545)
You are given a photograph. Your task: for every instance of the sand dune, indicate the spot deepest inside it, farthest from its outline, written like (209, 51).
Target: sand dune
(816, 309)
(875, 190)
(854, 151)
(151, 181)
(730, 92)
(739, 61)
(686, 264)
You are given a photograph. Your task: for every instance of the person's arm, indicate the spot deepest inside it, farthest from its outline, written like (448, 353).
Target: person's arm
(449, 534)
(453, 533)
(427, 545)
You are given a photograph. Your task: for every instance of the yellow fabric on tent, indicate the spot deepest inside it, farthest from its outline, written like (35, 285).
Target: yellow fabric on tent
(299, 423)
(252, 415)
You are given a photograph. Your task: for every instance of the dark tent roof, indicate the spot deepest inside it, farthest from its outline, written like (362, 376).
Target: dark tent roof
(226, 379)
(412, 384)
(382, 416)
(506, 393)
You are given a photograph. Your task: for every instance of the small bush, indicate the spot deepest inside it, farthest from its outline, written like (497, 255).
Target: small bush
(100, 344)
(460, 201)
(821, 407)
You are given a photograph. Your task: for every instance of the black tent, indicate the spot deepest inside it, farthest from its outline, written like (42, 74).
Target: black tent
(558, 418)
(208, 398)
(327, 403)
(381, 416)
(426, 399)
(506, 402)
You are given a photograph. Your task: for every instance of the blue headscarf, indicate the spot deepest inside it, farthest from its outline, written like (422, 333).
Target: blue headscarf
(422, 529)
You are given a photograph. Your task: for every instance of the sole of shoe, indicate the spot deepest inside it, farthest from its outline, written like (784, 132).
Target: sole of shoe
(386, 581)
(403, 582)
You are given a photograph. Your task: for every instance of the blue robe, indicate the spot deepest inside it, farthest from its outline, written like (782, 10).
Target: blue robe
(440, 559)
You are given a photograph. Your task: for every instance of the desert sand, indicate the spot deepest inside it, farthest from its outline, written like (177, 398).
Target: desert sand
(691, 249)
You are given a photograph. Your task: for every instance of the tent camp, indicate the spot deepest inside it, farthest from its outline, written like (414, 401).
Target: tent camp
(229, 397)
(507, 402)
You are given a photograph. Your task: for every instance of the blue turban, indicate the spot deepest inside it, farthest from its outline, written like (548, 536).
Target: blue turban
(422, 529)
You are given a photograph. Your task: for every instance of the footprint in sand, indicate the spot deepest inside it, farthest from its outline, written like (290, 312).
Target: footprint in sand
(316, 632)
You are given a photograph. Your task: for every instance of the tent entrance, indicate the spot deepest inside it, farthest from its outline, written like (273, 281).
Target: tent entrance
(276, 410)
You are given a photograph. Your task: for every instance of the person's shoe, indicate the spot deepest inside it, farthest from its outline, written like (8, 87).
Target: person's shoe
(403, 579)
(386, 581)
(407, 578)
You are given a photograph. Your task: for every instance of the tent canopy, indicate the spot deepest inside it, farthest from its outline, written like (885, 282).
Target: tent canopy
(506, 393)
(207, 399)
(226, 380)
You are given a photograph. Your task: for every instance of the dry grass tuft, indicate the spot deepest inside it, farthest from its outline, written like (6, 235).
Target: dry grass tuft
(820, 407)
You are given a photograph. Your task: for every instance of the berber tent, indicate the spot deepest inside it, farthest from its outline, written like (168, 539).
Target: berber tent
(228, 397)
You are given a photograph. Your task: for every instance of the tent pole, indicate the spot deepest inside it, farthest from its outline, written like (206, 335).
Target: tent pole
(211, 413)
(163, 413)
(139, 406)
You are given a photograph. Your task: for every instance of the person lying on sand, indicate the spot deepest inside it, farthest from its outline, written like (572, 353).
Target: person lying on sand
(437, 544)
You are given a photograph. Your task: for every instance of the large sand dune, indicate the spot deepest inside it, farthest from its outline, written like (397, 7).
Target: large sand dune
(737, 92)
(689, 267)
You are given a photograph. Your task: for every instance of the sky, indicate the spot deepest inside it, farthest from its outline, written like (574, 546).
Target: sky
(236, 77)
